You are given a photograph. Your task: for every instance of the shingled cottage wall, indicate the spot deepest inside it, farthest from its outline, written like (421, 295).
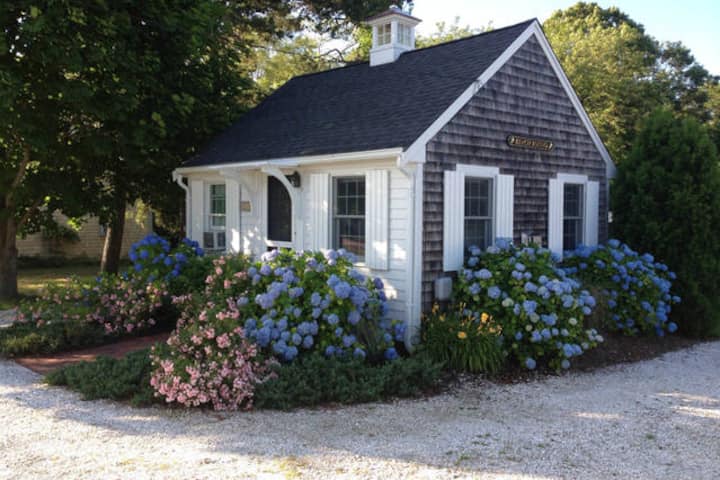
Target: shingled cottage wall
(524, 97)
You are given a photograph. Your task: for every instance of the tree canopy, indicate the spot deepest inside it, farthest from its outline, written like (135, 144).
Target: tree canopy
(621, 73)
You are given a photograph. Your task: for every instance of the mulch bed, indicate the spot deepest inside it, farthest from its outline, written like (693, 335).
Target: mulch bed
(616, 349)
(47, 363)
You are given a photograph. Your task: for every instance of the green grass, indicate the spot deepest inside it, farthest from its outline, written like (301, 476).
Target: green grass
(31, 281)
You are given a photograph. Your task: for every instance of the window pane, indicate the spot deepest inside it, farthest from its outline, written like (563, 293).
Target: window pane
(349, 214)
(279, 211)
(572, 233)
(572, 200)
(573, 212)
(477, 233)
(208, 240)
(477, 197)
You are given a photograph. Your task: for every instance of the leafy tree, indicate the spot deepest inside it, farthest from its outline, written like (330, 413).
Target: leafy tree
(280, 60)
(610, 61)
(621, 73)
(447, 32)
(99, 101)
(666, 200)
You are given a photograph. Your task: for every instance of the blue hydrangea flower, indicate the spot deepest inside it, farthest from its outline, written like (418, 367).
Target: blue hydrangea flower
(391, 354)
(530, 363)
(494, 292)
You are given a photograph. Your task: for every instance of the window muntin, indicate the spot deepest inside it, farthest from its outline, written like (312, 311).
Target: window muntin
(349, 214)
(279, 211)
(478, 213)
(216, 214)
(384, 34)
(573, 215)
(404, 34)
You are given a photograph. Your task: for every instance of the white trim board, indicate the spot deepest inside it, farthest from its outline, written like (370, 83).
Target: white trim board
(417, 151)
(295, 161)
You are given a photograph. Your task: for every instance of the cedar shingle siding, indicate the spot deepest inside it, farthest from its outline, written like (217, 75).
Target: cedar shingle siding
(524, 97)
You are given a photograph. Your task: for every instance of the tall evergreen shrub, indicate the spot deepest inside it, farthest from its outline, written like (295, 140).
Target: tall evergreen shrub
(666, 200)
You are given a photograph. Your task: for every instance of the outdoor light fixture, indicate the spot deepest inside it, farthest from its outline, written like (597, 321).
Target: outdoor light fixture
(294, 179)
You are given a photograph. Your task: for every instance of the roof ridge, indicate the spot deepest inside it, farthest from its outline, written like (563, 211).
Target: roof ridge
(409, 52)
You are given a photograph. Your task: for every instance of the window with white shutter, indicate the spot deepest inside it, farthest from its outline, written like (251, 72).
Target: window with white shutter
(573, 212)
(478, 208)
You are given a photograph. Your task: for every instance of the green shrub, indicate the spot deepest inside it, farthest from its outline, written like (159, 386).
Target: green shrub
(127, 378)
(463, 342)
(666, 199)
(316, 380)
(31, 339)
(539, 309)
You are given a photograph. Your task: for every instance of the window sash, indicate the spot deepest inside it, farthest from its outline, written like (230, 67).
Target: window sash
(216, 213)
(479, 218)
(573, 215)
(348, 222)
(384, 34)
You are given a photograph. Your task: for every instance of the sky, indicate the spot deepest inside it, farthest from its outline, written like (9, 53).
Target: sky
(693, 22)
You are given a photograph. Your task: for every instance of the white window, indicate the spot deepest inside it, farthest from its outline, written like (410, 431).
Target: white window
(384, 34)
(405, 34)
(348, 222)
(478, 207)
(573, 216)
(479, 224)
(216, 214)
(573, 212)
(214, 236)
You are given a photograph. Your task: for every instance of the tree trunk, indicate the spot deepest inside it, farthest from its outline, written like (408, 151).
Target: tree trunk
(8, 259)
(113, 242)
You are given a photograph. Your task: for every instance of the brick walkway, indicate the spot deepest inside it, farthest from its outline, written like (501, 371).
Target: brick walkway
(47, 363)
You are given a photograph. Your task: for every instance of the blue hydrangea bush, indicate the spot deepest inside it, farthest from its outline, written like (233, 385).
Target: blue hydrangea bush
(153, 258)
(637, 289)
(539, 309)
(291, 303)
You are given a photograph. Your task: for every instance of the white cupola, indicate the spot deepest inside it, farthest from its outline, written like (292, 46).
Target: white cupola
(393, 33)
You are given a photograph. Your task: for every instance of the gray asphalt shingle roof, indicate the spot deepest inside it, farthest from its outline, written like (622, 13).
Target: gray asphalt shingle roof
(359, 107)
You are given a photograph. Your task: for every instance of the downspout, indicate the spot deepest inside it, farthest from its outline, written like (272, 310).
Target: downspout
(410, 171)
(179, 180)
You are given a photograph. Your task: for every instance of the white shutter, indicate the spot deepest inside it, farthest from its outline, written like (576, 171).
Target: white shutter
(504, 211)
(197, 210)
(592, 207)
(555, 216)
(319, 211)
(232, 214)
(377, 224)
(453, 220)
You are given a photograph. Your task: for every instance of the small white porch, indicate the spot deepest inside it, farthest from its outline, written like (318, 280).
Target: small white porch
(254, 222)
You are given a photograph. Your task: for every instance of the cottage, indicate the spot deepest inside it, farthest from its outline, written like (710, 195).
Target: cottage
(408, 159)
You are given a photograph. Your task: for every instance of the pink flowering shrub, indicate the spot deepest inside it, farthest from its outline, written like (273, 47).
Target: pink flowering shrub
(118, 305)
(208, 361)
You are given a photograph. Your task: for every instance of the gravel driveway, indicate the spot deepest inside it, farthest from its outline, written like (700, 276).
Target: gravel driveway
(655, 419)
